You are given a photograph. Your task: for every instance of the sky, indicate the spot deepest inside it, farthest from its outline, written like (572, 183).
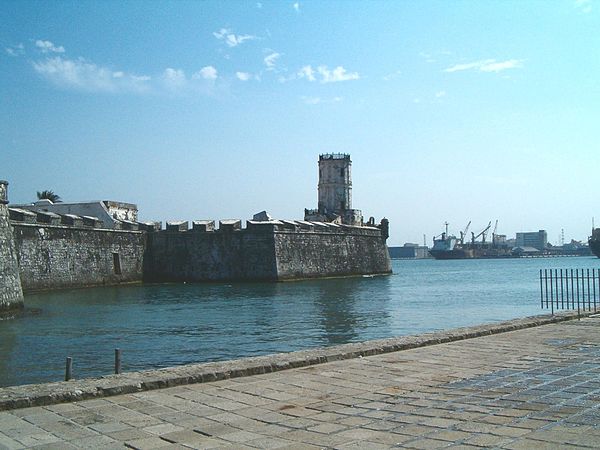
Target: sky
(452, 111)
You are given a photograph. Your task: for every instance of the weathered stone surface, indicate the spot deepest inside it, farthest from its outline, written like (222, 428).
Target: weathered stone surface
(11, 294)
(52, 257)
(266, 250)
(60, 392)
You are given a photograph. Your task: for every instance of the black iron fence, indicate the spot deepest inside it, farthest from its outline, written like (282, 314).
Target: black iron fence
(570, 289)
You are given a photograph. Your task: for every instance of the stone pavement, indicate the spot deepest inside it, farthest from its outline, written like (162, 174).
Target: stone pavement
(531, 388)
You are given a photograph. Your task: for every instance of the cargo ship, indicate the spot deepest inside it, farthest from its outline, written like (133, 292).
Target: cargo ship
(594, 242)
(447, 246)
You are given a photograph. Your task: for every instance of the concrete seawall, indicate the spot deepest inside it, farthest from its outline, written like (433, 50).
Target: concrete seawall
(11, 294)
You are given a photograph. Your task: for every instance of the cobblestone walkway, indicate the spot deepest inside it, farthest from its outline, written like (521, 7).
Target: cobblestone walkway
(534, 388)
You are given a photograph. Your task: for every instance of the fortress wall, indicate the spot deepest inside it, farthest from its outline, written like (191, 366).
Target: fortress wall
(11, 295)
(54, 257)
(236, 255)
(344, 252)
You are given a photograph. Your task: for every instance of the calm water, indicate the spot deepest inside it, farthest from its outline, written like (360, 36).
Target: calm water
(165, 325)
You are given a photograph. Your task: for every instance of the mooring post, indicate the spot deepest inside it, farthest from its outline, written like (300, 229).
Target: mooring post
(69, 369)
(117, 360)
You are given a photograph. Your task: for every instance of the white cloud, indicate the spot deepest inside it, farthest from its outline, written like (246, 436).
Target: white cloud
(585, 6)
(500, 66)
(270, 60)
(296, 6)
(337, 74)
(15, 50)
(80, 74)
(243, 76)
(307, 72)
(327, 76)
(440, 94)
(49, 47)
(83, 75)
(232, 39)
(487, 65)
(318, 100)
(206, 73)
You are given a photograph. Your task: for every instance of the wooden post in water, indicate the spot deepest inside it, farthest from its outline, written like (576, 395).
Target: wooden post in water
(69, 369)
(117, 360)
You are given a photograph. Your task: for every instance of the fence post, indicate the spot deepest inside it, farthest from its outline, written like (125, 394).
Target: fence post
(541, 290)
(546, 284)
(562, 294)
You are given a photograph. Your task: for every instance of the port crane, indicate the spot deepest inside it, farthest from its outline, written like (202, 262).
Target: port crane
(464, 233)
(494, 234)
(482, 234)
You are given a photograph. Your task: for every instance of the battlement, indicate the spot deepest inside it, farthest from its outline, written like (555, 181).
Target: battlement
(328, 156)
(19, 216)
(261, 226)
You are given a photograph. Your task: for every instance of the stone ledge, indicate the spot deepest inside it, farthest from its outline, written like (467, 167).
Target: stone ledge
(15, 397)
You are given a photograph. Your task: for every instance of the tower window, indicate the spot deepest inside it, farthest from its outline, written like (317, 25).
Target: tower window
(342, 172)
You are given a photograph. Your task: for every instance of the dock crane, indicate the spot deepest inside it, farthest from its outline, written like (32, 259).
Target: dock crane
(464, 233)
(494, 234)
(482, 234)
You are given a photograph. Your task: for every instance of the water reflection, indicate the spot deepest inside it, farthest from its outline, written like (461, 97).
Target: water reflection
(344, 310)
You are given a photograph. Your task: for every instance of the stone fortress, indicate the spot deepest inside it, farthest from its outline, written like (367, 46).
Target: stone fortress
(48, 245)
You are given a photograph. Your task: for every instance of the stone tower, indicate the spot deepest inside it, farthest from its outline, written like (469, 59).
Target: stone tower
(335, 192)
(11, 294)
(335, 183)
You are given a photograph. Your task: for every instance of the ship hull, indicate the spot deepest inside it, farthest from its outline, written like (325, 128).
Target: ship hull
(471, 253)
(457, 253)
(595, 247)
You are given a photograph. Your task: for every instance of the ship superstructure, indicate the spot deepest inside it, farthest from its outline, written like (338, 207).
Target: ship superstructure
(594, 242)
(447, 246)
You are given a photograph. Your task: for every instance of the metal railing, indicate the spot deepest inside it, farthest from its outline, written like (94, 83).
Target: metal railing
(570, 289)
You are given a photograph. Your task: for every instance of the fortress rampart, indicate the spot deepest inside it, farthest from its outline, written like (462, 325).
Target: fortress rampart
(11, 295)
(53, 251)
(63, 256)
(272, 250)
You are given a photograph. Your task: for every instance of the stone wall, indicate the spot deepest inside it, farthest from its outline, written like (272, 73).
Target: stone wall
(274, 250)
(11, 295)
(59, 256)
(330, 251)
(213, 255)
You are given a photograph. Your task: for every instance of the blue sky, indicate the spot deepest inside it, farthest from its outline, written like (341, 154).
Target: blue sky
(451, 111)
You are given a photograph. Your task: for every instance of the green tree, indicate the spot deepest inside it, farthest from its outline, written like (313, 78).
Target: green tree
(49, 195)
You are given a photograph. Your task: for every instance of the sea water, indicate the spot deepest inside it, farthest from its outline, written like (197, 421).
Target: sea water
(172, 324)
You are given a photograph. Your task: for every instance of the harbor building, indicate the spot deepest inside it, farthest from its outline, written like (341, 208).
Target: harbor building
(112, 214)
(409, 251)
(535, 239)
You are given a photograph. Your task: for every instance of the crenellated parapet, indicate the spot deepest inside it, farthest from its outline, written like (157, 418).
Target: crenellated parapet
(25, 217)
(275, 226)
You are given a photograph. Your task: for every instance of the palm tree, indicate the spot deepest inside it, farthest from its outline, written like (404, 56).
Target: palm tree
(49, 195)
